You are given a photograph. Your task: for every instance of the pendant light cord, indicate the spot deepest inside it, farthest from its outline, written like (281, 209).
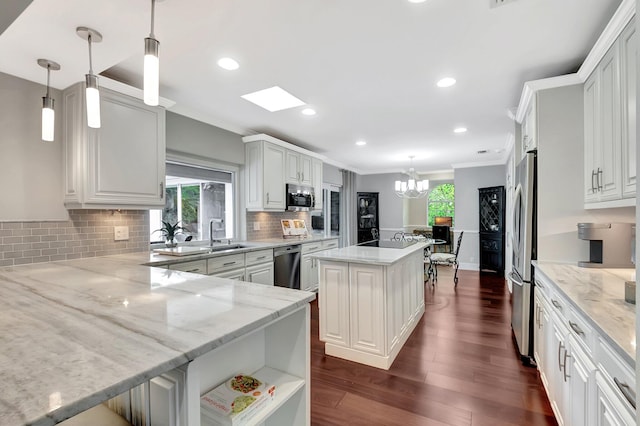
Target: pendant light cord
(153, 18)
(48, 74)
(90, 60)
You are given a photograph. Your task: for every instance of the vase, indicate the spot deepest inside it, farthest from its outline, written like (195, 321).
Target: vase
(170, 242)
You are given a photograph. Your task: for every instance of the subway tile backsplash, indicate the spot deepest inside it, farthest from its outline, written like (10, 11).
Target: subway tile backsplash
(88, 233)
(269, 223)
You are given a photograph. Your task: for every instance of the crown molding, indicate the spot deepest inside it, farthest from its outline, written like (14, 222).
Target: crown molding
(134, 92)
(501, 162)
(531, 87)
(618, 22)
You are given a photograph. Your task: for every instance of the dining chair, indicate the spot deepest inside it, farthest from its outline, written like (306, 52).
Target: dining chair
(448, 259)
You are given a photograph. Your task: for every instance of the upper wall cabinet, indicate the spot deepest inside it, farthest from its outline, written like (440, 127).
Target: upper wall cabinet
(120, 165)
(265, 167)
(270, 164)
(610, 126)
(298, 168)
(528, 132)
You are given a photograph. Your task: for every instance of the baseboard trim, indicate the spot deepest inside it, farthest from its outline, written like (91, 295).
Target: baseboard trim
(469, 266)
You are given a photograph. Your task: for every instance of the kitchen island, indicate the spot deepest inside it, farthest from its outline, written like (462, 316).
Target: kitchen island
(78, 333)
(370, 300)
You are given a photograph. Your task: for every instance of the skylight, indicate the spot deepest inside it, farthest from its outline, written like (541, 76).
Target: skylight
(273, 99)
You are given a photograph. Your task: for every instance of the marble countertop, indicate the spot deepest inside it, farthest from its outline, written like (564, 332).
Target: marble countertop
(158, 259)
(599, 295)
(369, 255)
(76, 333)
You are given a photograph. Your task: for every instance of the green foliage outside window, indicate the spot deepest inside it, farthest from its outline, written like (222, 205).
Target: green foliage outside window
(441, 202)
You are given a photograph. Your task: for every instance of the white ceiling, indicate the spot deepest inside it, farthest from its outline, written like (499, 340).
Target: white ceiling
(368, 67)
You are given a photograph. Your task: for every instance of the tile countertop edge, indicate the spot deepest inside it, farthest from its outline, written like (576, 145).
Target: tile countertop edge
(365, 255)
(619, 348)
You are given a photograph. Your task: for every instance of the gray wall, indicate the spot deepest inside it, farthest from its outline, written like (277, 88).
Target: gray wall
(467, 182)
(32, 170)
(188, 136)
(390, 205)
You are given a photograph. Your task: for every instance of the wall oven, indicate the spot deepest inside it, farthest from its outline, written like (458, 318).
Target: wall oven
(299, 198)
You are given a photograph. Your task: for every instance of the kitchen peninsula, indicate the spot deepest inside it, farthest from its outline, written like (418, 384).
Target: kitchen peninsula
(78, 333)
(370, 300)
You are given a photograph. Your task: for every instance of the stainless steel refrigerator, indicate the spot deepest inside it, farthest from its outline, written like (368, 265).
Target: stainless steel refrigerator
(524, 251)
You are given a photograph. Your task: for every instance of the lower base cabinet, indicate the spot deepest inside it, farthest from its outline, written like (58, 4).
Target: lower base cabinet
(585, 379)
(261, 274)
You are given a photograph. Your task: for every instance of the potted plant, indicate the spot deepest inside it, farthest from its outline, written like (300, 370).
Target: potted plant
(169, 232)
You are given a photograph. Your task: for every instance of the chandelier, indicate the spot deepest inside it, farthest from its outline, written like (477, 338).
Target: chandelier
(414, 187)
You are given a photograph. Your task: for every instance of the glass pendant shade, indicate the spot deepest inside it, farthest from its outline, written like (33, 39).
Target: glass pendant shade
(48, 119)
(93, 101)
(151, 71)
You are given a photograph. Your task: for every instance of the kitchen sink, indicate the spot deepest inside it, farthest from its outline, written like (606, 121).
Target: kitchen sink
(224, 247)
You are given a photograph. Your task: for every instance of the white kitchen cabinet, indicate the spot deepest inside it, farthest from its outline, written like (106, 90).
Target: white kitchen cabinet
(368, 311)
(529, 127)
(234, 274)
(579, 373)
(610, 126)
(120, 165)
(628, 77)
(261, 273)
(265, 176)
(316, 170)
(230, 266)
(558, 388)
(540, 326)
(309, 272)
(195, 266)
(298, 168)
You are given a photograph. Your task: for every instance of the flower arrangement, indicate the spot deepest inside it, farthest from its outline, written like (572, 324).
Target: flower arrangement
(169, 232)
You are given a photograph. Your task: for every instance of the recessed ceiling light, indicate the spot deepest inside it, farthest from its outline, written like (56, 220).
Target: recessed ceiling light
(417, 1)
(361, 143)
(273, 99)
(446, 82)
(460, 130)
(309, 111)
(228, 64)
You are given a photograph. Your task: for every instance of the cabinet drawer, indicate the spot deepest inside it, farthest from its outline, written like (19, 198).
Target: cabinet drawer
(558, 304)
(582, 331)
(223, 263)
(195, 266)
(329, 244)
(260, 256)
(311, 247)
(617, 372)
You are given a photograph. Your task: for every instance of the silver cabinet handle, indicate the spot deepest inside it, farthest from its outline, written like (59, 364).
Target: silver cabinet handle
(564, 366)
(267, 198)
(193, 270)
(539, 285)
(560, 346)
(594, 189)
(599, 183)
(556, 304)
(628, 393)
(229, 263)
(260, 258)
(161, 190)
(302, 176)
(576, 328)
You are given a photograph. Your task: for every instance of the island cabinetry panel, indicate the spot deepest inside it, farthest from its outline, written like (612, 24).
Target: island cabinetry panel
(333, 303)
(265, 176)
(316, 170)
(121, 164)
(309, 273)
(368, 310)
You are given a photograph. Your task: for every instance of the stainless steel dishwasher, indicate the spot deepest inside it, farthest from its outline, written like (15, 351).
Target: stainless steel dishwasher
(287, 266)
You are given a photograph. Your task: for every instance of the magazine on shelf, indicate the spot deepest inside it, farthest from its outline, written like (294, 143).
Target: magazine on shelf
(235, 401)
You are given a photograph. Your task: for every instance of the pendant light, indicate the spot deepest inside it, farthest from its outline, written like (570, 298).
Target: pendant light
(92, 93)
(413, 187)
(151, 64)
(48, 113)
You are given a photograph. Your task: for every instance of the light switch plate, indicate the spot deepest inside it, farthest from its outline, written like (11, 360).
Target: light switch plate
(121, 233)
(256, 226)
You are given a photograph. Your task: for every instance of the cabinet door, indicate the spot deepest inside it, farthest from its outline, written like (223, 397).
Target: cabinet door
(333, 303)
(609, 173)
(260, 274)
(126, 156)
(367, 307)
(274, 187)
(306, 272)
(628, 51)
(555, 358)
(580, 374)
(235, 274)
(306, 175)
(316, 170)
(315, 275)
(293, 167)
(539, 333)
(591, 137)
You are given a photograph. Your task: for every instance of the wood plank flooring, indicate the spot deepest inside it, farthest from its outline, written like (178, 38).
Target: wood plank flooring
(459, 367)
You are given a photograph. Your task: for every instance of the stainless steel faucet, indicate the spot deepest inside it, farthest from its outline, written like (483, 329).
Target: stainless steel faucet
(211, 239)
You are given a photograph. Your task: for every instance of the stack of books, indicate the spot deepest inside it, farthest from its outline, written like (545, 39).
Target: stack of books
(235, 401)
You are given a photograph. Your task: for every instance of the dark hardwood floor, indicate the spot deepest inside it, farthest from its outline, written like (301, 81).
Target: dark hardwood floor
(459, 367)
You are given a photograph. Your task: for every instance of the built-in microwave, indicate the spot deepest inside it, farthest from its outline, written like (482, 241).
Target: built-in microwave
(299, 198)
